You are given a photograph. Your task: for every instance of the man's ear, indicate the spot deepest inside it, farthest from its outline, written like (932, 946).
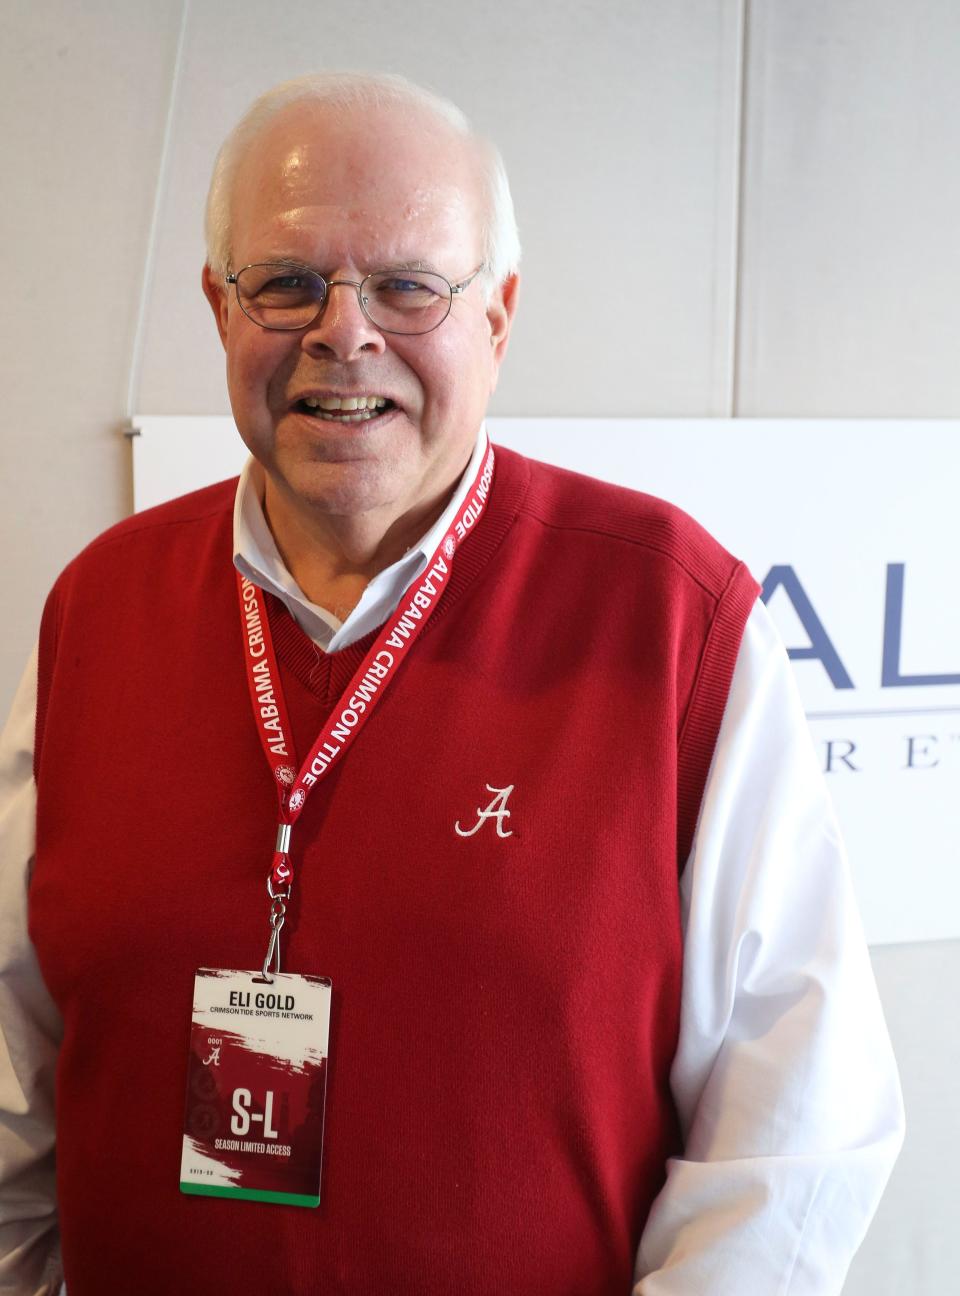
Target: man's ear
(500, 312)
(215, 292)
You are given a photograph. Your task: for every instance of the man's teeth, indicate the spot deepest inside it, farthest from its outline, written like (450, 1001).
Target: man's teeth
(352, 409)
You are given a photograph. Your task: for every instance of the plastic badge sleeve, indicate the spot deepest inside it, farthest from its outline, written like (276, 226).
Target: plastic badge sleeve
(256, 1087)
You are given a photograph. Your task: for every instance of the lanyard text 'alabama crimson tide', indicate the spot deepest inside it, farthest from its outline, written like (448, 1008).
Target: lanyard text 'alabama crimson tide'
(359, 699)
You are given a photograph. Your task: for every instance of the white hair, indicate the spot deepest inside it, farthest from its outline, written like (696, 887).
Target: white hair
(346, 90)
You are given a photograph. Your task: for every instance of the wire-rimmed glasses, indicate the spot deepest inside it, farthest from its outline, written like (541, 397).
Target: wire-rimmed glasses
(287, 295)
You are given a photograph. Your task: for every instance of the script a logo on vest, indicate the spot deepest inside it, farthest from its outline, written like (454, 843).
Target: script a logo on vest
(497, 809)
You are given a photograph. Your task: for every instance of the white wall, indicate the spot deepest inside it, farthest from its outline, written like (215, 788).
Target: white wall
(727, 207)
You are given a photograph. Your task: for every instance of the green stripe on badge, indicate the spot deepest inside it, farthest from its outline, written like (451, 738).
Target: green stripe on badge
(249, 1194)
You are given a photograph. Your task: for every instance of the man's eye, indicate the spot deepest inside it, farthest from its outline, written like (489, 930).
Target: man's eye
(294, 288)
(401, 285)
(405, 292)
(285, 283)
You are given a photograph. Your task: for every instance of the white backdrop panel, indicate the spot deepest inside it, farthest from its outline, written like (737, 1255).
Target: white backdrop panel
(849, 301)
(850, 527)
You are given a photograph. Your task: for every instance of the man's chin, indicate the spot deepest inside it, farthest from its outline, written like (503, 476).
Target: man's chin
(343, 488)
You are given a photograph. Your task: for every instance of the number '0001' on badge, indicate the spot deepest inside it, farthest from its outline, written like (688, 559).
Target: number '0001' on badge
(256, 1083)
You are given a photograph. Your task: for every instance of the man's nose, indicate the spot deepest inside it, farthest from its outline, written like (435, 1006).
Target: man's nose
(342, 330)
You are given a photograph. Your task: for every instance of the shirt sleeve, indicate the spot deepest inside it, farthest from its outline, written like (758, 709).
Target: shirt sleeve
(784, 1077)
(29, 1031)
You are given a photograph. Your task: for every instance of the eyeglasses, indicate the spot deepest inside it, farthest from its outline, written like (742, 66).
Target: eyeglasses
(285, 295)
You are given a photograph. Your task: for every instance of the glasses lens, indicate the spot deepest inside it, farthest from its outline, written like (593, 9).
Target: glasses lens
(406, 301)
(280, 296)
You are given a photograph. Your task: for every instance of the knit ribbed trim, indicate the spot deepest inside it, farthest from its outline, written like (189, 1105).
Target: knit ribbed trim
(326, 675)
(46, 656)
(708, 699)
(323, 674)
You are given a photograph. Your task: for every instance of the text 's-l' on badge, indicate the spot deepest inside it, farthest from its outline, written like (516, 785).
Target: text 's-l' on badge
(256, 1085)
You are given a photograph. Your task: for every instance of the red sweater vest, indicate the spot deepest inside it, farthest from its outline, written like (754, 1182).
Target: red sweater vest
(505, 1006)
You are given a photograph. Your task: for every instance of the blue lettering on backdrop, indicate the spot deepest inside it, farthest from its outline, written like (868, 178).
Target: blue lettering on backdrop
(820, 648)
(893, 637)
(835, 756)
(920, 749)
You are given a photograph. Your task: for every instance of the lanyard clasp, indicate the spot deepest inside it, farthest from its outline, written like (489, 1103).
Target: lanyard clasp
(278, 913)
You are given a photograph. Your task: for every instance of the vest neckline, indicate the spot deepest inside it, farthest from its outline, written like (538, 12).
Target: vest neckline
(326, 675)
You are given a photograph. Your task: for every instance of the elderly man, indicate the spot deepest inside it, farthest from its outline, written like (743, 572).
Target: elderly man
(518, 758)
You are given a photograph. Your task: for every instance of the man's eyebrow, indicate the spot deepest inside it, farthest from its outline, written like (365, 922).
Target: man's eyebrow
(409, 265)
(281, 259)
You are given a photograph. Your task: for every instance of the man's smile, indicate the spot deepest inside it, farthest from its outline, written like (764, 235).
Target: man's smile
(344, 409)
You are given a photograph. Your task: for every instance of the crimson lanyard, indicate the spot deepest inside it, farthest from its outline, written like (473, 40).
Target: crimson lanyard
(357, 702)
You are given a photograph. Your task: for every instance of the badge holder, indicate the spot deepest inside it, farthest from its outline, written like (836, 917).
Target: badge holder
(256, 1087)
(256, 1080)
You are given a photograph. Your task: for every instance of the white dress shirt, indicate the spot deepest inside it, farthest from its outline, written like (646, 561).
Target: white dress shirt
(784, 1078)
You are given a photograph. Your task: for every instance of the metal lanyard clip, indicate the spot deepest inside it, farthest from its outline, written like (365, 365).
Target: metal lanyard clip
(278, 913)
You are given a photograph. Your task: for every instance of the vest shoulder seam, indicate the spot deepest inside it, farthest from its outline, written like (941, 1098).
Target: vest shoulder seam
(112, 537)
(663, 550)
(136, 523)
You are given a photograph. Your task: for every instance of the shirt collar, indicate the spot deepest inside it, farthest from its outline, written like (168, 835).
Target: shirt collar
(255, 555)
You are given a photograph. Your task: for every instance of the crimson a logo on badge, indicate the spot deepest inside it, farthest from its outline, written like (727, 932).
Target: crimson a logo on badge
(449, 546)
(285, 775)
(298, 798)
